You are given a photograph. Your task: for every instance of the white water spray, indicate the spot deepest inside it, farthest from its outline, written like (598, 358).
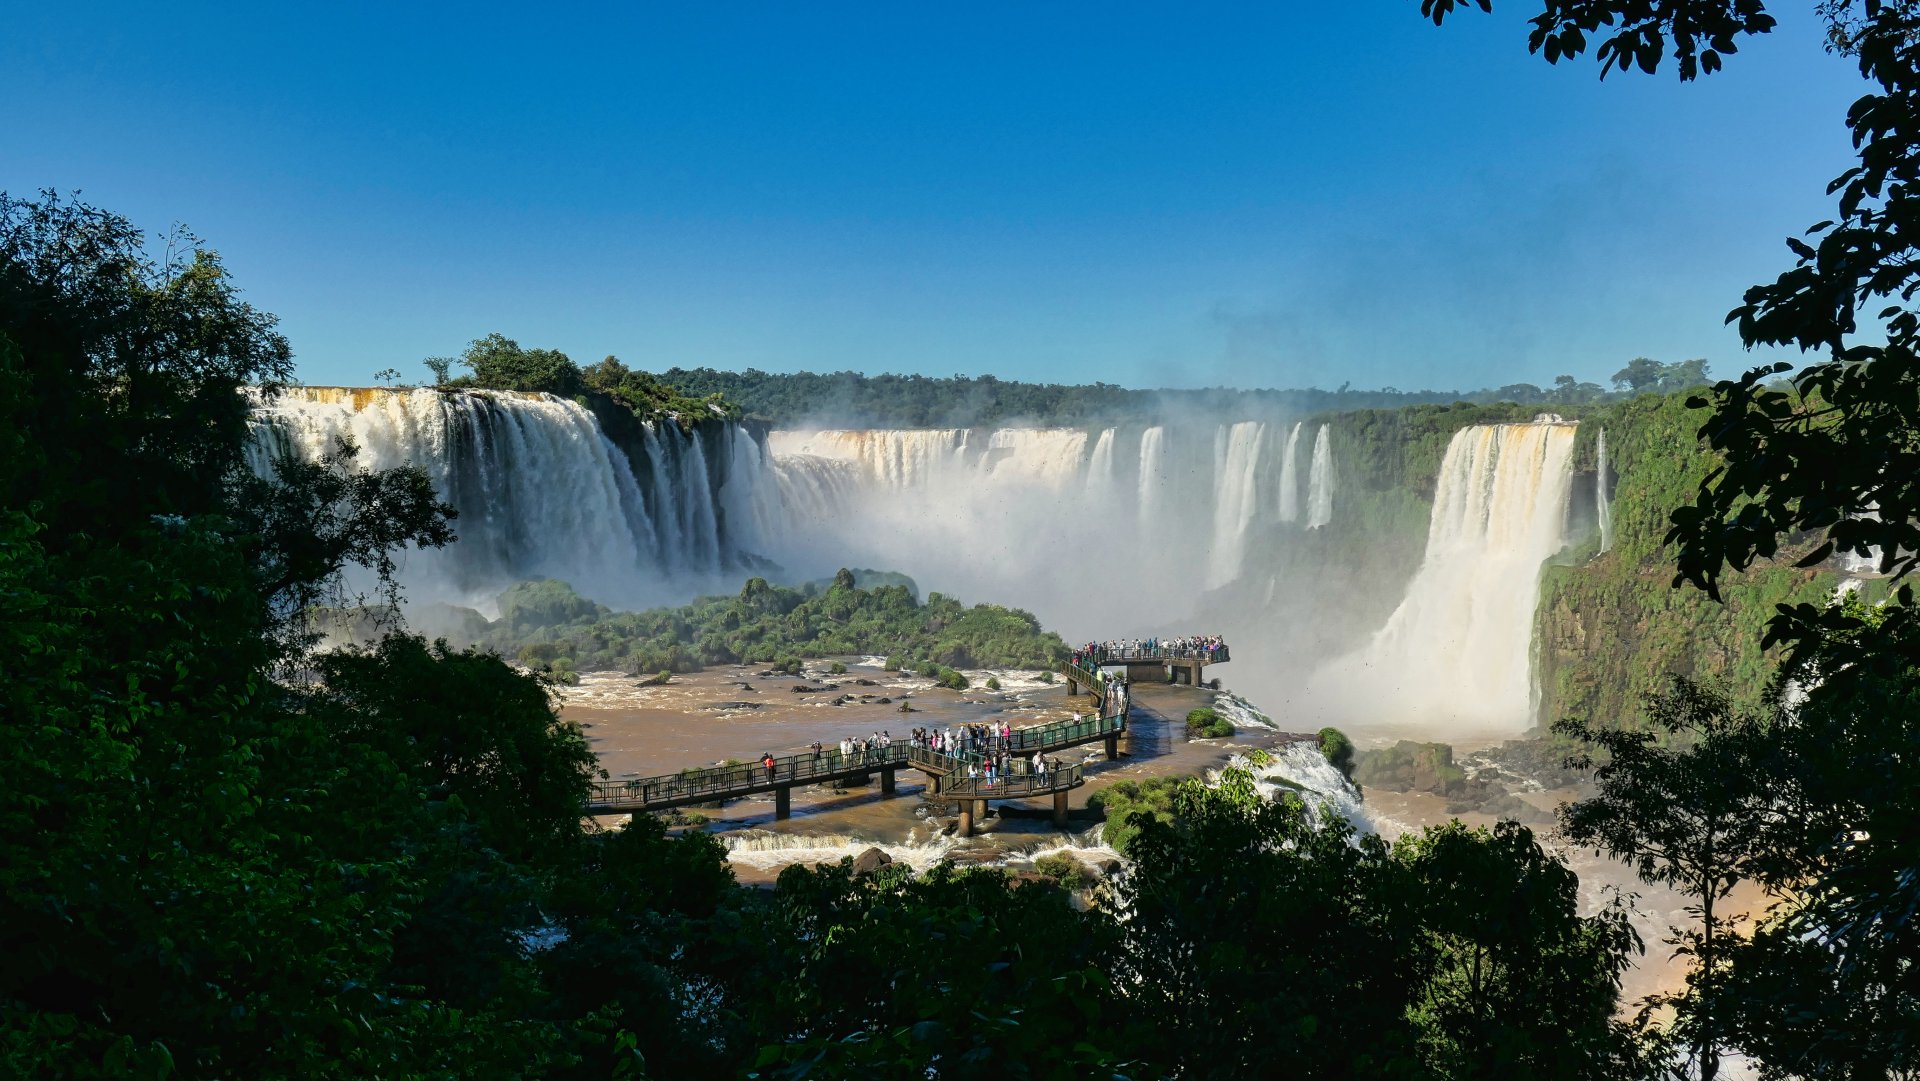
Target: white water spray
(1290, 477)
(1457, 649)
(1603, 505)
(1320, 482)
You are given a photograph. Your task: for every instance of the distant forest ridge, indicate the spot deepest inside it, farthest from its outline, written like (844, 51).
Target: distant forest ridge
(853, 400)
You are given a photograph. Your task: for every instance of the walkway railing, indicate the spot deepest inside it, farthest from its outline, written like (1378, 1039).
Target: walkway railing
(1217, 655)
(1089, 676)
(726, 782)
(715, 783)
(1018, 783)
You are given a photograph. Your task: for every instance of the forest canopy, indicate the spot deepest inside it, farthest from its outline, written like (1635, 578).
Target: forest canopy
(544, 623)
(853, 400)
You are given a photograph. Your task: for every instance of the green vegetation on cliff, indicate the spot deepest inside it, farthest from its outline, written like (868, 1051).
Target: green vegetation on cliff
(497, 362)
(853, 400)
(1610, 628)
(544, 622)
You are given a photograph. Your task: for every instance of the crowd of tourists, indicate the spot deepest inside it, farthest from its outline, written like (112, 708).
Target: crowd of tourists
(987, 749)
(1210, 646)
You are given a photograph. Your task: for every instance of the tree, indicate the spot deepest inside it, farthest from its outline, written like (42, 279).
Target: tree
(199, 877)
(1676, 802)
(1640, 373)
(1824, 461)
(1825, 988)
(499, 363)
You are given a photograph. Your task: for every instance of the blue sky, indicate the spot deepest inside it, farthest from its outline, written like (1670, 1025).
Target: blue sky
(1280, 194)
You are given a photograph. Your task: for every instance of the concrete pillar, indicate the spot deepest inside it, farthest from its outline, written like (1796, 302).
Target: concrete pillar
(966, 818)
(1073, 687)
(1060, 809)
(783, 801)
(1113, 746)
(886, 781)
(933, 784)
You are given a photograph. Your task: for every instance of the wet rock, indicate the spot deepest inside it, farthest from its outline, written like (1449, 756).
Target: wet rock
(883, 701)
(871, 860)
(732, 705)
(1108, 867)
(865, 683)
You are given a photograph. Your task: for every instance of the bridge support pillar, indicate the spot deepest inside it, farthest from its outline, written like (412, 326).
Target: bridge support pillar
(933, 784)
(1073, 687)
(966, 818)
(1060, 809)
(783, 801)
(1113, 746)
(886, 781)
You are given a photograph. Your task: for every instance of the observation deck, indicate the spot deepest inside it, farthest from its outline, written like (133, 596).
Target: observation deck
(946, 773)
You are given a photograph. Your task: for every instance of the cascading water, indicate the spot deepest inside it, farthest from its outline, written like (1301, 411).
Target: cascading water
(1320, 482)
(542, 490)
(1602, 504)
(1290, 477)
(1457, 649)
(1234, 501)
(1050, 519)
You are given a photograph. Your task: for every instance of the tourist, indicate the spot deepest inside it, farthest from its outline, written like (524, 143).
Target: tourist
(767, 761)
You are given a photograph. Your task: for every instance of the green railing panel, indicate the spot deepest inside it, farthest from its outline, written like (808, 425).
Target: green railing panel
(1018, 783)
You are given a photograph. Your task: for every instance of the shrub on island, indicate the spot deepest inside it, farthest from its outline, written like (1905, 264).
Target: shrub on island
(1338, 749)
(1125, 803)
(1207, 723)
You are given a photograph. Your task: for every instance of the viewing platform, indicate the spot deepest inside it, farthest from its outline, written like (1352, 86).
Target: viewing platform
(946, 773)
(1162, 665)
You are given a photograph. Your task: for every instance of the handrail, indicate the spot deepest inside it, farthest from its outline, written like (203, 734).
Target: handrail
(1093, 677)
(1123, 656)
(719, 781)
(810, 767)
(1016, 783)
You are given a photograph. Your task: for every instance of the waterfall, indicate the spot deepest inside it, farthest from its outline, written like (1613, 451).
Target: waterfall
(1603, 505)
(1234, 503)
(1055, 520)
(1290, 477)
(1152, 476)
(1100, 466)
(542, 489)
(1320, 482)
(1458, 648)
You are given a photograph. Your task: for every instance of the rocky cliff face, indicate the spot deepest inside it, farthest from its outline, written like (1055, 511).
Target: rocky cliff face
(1610, 626)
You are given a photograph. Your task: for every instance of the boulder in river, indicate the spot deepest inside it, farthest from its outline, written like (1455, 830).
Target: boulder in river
(871, 860)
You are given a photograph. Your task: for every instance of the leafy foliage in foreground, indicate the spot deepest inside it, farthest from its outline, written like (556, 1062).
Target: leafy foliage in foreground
(545, 623)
